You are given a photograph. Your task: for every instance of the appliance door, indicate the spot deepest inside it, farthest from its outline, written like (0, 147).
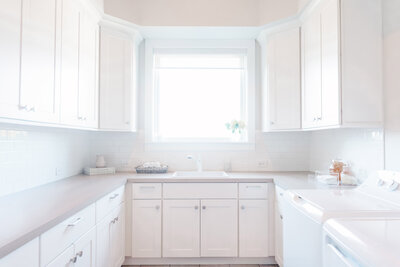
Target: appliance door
(302, 233)
(333, 257)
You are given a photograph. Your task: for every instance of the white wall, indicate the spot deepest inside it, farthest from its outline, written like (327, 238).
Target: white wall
(201, 12)
(362, 148)
(29, 156)
(391, 25)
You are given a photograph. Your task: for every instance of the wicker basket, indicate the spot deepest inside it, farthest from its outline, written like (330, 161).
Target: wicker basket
(162, 169)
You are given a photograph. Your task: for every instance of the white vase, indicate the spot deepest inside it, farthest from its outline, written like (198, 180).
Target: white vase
(100, 161)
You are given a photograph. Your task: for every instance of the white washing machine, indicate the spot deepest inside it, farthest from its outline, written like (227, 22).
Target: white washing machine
(305, 211)
(362, 242)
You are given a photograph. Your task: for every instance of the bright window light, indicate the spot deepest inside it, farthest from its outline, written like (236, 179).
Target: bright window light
(198, 93)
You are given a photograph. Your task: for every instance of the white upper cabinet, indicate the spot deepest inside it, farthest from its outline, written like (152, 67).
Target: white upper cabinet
(10, 40)
(118, 59)
(342, 64)
(39, 95)
(282, 89)
(79, 67)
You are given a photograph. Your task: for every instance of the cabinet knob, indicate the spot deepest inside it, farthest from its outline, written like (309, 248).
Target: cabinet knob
(157, 207)
(242, 207)
(281, 217)
(33, 109)
(204, 207)
(271, 122)
(196, 207)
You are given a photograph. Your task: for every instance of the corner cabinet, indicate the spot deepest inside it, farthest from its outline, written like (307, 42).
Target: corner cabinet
(118, 78)
(342, 64)
(281, 84)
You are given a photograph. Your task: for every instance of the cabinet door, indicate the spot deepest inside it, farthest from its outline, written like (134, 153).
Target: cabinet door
(146, 228)
(88, 71)
(10, 44)
(219, 227)
(253, 228)
(283, 65)
(85, 250)
(117, 237)
(103, 245)
(117, 90)
(39, 93)
(27, 255)
(311, 88)
(278, 236)
(65, 259)
(71, 13)
(181, 228)
(330, 96)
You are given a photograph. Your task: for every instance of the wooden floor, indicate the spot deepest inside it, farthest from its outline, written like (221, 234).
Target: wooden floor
(217, 265)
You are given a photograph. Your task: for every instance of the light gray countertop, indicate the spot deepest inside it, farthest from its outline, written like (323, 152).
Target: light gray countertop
(28, 214)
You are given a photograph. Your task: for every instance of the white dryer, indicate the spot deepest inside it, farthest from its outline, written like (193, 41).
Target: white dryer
(362, 242)
(305, 211)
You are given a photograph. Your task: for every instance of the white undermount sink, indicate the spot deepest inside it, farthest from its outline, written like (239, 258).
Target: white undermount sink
(206, 174)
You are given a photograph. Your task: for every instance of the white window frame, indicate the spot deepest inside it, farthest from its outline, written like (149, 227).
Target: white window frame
(150, 95)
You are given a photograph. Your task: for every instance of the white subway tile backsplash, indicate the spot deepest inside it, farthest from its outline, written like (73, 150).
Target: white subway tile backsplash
(31, 156)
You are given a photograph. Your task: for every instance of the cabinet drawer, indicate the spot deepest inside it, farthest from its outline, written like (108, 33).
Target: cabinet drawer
(146, 191)
(58, 238)
(253, 190)
(109, 202)
(200, 190)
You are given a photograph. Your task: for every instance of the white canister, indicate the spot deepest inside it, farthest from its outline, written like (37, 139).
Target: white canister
(100, 161)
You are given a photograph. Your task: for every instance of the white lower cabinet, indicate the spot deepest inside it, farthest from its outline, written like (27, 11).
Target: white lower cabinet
(181, 228)
(146, 228)
(219, 237)
(110, 239)
(27, 255)
(80, 254)
(278, 225)
(200, 220)
(253, 228)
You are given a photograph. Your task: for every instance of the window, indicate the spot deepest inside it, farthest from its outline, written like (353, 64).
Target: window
(196, 89)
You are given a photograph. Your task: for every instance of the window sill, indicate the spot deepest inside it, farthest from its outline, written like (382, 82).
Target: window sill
(221, 146)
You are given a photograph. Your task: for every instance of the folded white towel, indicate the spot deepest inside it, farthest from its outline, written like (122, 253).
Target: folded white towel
(152, 164)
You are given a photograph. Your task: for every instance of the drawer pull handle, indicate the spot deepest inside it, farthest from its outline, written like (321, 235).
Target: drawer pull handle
(79, 254)
(75, 222)
(114, 196)
(114, 220)
(147, 187)
(73, 260)
(253, 186)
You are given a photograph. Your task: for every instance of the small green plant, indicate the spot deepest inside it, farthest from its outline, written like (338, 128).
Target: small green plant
(235, 126)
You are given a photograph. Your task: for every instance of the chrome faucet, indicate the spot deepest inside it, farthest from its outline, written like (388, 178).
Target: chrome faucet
(199, 162)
